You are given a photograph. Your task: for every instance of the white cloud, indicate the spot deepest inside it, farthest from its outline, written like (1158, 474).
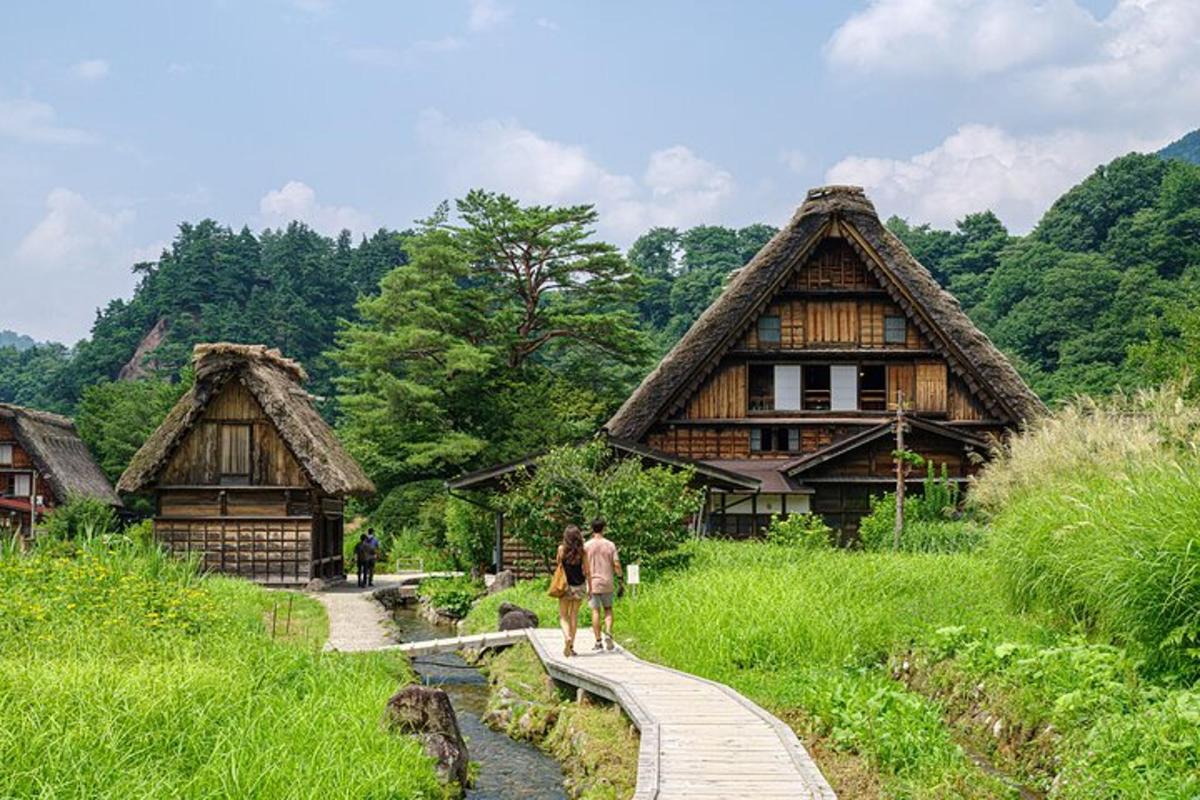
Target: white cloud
(92, 69)
(980, 167)
(966, 37)
(1146, 68)
(547, 23)
(677, 187)
(76, 257)
(485, 14)
(297, 201)
(34, 122)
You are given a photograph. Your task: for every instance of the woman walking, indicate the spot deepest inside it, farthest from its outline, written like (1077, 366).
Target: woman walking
(575, 568)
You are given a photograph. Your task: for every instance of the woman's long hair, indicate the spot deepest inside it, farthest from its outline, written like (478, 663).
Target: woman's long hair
(572, 544)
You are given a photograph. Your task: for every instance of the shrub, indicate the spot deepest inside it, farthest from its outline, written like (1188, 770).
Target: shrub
(470, 533)
(929, 526)
(803, 531)
(82, 518)
(646, 509)
(451, 596)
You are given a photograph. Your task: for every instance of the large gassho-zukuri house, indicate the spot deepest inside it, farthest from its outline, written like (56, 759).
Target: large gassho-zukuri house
(43, 462)
(783, 394)
(791, 378)
(246, 473)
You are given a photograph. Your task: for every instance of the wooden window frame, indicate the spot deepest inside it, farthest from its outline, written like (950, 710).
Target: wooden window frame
(888, 337)
(809, 398)
(235, 478)
(760, 402)
(21, 476)
(879, 403)
(775, 435)
(777, 331)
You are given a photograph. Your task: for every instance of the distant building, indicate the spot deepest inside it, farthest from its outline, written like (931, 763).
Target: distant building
(43, 462)
(246, 473)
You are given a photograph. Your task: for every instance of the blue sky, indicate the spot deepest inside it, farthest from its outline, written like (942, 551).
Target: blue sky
(119, 120)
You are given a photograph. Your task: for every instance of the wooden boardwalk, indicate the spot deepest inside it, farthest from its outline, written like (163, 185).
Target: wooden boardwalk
(699, 739)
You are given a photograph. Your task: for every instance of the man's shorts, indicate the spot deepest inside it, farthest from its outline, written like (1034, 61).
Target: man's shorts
(598, 601)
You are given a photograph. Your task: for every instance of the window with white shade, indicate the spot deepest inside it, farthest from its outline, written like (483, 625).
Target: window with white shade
(895, 330)
(843, 387)
(769, 331)
(22, 485)
(6, 455)
(787, 387)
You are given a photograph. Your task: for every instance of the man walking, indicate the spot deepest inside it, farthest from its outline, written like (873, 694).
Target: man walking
(364, 559)
(603, 564)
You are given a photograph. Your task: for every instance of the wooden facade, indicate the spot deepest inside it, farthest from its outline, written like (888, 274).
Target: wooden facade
(43, 462)
(22, 487)
(229, 484)
(807, 354)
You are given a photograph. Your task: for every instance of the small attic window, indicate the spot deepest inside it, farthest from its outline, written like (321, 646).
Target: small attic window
(6, 454)
(235, 454)
(768, 329)
(895, 330)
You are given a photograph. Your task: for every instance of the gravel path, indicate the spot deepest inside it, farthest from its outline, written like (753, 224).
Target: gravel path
(356, 621)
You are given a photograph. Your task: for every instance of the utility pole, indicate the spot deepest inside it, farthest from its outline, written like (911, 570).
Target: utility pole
(899, 470)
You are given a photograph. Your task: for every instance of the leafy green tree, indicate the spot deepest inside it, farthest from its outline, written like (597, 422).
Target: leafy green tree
(646, 509)
(115, 419)
(545, 277)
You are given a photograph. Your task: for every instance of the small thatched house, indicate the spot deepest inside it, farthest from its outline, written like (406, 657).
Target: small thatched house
(782, 397)
(245, 471)
(42, 463)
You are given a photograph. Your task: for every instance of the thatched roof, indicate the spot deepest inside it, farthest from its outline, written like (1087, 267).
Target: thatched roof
(59, 455)
(275, 382)
(843, 211)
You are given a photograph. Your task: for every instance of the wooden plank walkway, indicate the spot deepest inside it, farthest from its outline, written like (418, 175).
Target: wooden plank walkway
(699, 738)
(478, 641)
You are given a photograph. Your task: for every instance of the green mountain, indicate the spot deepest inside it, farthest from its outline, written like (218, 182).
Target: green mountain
(16, 340)
(1097, 296)
(287, 288)
(1185, 149)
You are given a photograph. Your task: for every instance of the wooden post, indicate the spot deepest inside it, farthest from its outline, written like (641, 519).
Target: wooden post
(287, 628)
(499, 548)
(899, 470)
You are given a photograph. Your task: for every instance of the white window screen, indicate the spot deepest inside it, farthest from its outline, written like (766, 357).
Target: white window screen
(22, 486)
(843, 380)
(895, 330)
(6, 454)
(793, 438)
(787, 387)
(756, 439)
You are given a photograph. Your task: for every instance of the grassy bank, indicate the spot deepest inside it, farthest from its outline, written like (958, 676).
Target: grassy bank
(595, 743)
(123, 675)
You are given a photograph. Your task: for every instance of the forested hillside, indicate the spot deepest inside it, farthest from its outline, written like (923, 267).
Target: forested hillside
(1186, 148)
(1097, 295)
(15, 340)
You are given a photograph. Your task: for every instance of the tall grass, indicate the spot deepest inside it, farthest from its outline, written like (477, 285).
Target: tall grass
(123, 675)
(1096, 517)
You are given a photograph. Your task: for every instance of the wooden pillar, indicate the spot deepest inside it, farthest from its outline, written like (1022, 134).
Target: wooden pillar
(754, 515)
(498, 550)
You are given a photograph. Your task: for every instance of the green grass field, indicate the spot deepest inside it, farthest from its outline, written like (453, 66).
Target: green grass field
(122, 675)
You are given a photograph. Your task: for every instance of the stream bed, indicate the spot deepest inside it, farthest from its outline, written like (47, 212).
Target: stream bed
(508, 769)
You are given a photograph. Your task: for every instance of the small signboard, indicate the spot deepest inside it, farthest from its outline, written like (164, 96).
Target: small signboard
(632, 574)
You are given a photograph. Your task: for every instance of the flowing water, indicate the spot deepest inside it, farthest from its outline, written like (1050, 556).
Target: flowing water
(508, 769)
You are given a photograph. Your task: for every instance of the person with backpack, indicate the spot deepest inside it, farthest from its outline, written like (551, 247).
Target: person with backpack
(364, 558)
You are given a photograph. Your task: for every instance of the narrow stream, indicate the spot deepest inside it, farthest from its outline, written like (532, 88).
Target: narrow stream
(508, 770)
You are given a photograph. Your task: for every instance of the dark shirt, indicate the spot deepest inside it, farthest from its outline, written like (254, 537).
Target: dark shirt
(574, 573)
(363, 551)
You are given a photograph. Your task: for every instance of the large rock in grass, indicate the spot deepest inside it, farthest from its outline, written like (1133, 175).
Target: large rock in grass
(504, 579)
(426, 713)
(514, 618)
